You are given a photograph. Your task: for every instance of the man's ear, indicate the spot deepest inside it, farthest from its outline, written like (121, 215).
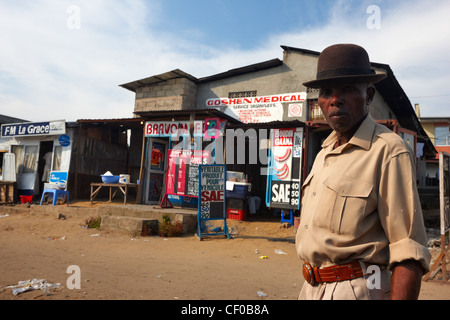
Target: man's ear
(370, 93)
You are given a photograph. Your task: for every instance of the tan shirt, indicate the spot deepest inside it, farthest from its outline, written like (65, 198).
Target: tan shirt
(360, 202)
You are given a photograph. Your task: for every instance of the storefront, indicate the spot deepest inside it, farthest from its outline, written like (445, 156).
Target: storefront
(37, 148)
(278, 127)
(173, 148)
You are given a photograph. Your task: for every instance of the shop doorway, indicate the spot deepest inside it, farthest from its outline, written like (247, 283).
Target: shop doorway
(44, 164)
(26, 157)
(156, 166)
(316, 137)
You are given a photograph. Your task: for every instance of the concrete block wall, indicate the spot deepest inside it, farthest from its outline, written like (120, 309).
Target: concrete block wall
(173, 94)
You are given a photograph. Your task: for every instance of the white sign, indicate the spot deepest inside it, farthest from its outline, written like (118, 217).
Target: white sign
(168, 128)
(257, 109)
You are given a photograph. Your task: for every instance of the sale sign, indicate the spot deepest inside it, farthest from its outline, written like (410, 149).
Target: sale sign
(212, 202)
(212, 193)
(285, 168)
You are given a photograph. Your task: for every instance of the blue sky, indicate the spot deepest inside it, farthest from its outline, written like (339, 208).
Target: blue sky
(65, 59)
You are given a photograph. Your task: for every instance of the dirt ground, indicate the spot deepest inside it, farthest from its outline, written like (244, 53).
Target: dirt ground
(116, 266)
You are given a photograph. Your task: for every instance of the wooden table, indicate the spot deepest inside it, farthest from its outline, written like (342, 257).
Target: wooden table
(124, 187)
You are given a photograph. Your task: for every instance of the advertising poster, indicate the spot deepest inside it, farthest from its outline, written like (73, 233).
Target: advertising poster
(285, 168)
(212, 128)
(182, 171)
(212, 198)
(157, 156)
(212, 193)
(155, 187)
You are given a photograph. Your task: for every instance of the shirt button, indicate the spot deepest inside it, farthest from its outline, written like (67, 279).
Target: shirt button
(326, 164)
(306, 226)
(314, 194)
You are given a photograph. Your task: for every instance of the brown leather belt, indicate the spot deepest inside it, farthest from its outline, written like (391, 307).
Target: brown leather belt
(334, 273)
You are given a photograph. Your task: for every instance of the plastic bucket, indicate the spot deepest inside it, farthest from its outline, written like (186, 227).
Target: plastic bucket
(26, 199)
(124, 178)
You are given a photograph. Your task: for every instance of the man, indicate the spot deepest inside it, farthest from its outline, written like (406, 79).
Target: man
(361, 233)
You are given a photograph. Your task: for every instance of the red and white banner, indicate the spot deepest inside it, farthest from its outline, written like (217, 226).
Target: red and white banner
(258, 109)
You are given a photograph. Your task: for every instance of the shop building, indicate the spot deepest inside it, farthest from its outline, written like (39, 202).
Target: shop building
(84, 150)
(35, 149)
(274, 112)
(438, 129)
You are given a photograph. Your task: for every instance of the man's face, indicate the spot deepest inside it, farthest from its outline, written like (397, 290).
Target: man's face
(344, 105)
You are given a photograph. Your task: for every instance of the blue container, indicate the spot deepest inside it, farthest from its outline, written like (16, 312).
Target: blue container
(110, 179)
(240, 190)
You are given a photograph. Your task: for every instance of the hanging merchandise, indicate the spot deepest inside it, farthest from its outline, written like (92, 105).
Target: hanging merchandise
(9, 167)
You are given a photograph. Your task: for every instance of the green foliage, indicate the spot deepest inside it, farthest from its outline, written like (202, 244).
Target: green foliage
(93, 222)
(168, 229)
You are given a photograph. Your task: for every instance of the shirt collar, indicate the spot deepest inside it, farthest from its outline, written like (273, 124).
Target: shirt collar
(362, 137)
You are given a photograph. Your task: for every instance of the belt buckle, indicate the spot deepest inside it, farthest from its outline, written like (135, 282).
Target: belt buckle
(308, 274)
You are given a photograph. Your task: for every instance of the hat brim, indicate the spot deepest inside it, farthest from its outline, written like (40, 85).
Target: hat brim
(320, 83)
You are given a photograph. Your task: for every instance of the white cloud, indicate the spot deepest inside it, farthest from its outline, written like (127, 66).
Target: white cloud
(57, 72)
(48, 71)
(412, 40)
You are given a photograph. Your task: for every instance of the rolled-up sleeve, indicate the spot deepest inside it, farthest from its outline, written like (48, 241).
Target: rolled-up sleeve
(401, 213)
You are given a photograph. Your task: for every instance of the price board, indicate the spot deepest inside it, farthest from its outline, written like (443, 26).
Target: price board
(284, 171)
(211, 198)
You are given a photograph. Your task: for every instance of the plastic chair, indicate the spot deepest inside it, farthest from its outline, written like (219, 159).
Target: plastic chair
(291, 217)
(60, 179)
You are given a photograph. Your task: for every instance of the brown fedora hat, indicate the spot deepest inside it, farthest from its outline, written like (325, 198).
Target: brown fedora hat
(341, 63)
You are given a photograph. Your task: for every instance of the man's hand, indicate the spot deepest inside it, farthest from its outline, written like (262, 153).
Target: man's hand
(406, 280)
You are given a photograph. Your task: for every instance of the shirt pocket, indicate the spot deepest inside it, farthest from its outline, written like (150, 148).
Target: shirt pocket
(304, 188)
(345, 200)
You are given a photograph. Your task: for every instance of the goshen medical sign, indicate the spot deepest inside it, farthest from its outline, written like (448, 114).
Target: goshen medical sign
(287, 97)
(33, 129)
(258, 109)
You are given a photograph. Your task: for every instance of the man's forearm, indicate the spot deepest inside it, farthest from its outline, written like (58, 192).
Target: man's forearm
(406, 280)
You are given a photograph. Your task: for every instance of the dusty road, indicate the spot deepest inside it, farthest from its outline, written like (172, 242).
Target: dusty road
(116, 266)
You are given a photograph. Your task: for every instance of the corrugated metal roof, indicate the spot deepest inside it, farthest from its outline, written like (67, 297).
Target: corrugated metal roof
(177, 73)
(7, 119)
(123, 122)
(243, 70)
(174, 74)
(160, 114)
